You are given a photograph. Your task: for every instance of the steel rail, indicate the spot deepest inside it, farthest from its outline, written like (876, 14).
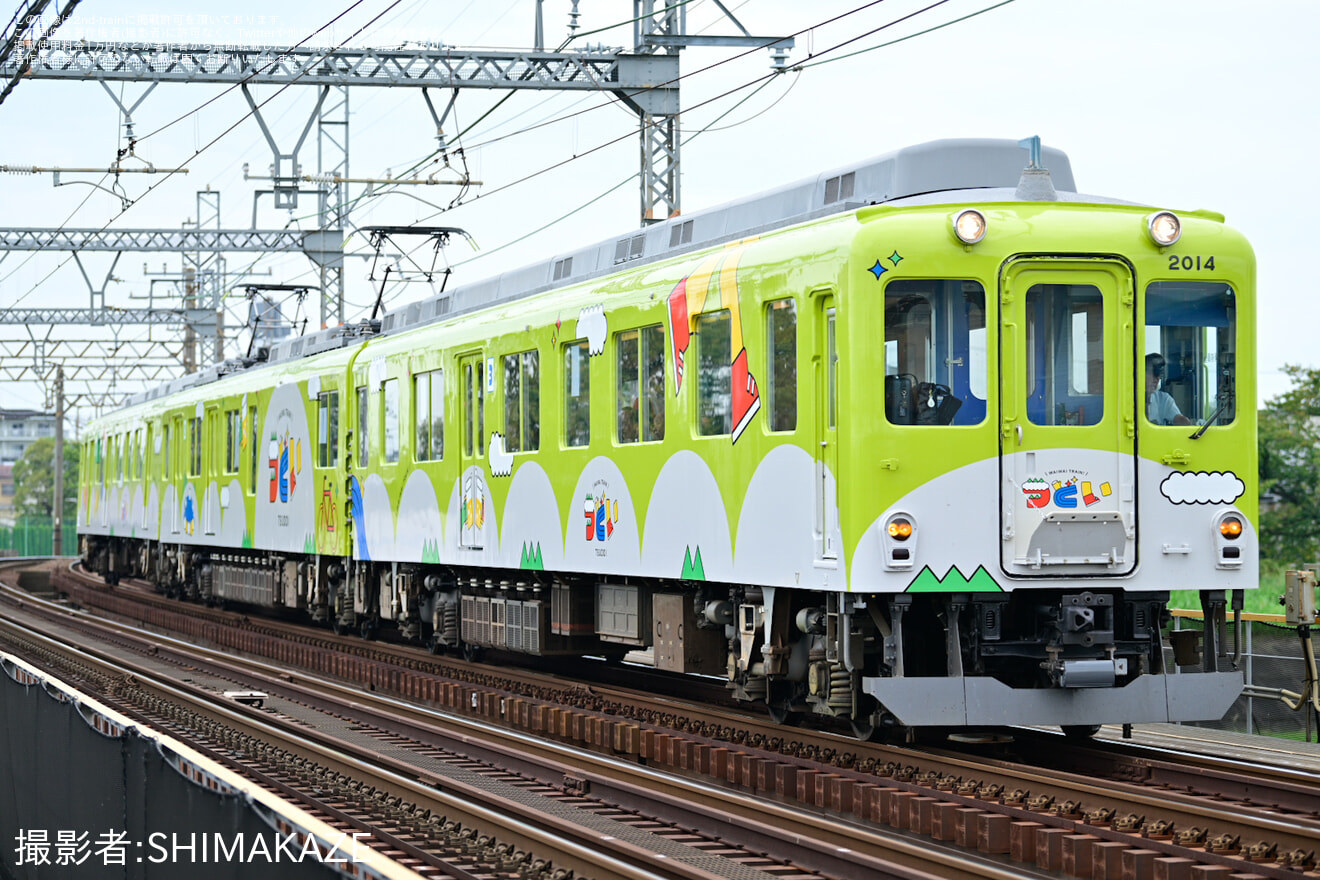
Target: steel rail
(497, 816)
(1298, 832)
(832, 846)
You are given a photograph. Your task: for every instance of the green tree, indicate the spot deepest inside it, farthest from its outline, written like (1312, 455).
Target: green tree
(34, 479)
(1290, 470)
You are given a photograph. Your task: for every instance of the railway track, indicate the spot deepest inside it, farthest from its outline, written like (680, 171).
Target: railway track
(619, 818)
(1093, 811)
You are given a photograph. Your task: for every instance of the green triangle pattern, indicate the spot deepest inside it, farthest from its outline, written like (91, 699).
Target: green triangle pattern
(693, 569)
(531, 557)
(954, 581)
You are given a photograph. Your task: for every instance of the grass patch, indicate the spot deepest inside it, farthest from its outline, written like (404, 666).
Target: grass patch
(1264, 600)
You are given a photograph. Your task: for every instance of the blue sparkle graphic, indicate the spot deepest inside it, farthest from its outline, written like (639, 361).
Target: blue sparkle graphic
(878, 270)
(895, 258)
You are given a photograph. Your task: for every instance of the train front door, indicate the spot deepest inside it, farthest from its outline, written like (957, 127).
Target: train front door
(1067, 418)
(473, 381)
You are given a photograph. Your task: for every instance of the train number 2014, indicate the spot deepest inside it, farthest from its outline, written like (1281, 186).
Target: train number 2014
(1190, 264)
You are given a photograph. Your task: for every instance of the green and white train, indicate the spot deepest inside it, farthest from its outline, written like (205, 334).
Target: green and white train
(924, 441)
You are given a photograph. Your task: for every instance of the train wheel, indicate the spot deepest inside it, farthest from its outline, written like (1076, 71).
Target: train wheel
(368, 628)
(865, 725)
(434, 645)
(1080, 731)
(779, 704)
(471, 652)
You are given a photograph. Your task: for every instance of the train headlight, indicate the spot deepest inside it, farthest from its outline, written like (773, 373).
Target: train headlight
(1230, 527)
(969, 225)
(900, 529)
(1164, 228)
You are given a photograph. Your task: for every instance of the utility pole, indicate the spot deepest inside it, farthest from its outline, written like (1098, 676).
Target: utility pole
(57, 503)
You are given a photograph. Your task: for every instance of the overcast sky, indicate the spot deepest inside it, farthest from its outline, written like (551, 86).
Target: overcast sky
(1182, 104)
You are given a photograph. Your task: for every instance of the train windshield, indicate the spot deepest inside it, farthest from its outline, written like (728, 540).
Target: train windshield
(935, 354)
(1190, 353)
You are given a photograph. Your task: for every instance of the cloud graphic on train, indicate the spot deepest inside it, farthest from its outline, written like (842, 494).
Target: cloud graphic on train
(501, 462)
(591, 324)
(1202, 488)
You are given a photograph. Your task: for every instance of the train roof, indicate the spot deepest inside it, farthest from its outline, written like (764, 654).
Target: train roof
(934, 167)
(924, 173)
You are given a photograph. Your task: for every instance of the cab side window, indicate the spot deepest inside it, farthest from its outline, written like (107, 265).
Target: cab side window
(935, 352)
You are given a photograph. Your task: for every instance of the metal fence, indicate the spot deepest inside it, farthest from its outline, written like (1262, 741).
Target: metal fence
(34, 536)
(1270, 659)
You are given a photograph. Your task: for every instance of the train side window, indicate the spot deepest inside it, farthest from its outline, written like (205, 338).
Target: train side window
(714, 373)
(468, 379)
(233, 439)
(195, 447)
(832, 367)
(327, 428)
(252, 446)
(781, 351)
(474, 404)
(422, 416)
(653, 382)
(390, 414)
(935, 352)
(577, 394)
(522, 402)
(428, 403)
(1190, 361)
(641, 384)
(1065, 332)
(627, 345)
(363, 453)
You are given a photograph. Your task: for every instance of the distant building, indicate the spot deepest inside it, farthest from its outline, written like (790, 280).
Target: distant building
(19, 429)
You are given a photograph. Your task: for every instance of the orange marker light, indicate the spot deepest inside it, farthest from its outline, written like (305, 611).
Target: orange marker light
(900, 529)
(1230, 527)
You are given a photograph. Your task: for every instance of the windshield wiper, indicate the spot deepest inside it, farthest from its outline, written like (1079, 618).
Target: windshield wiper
(1210, 421)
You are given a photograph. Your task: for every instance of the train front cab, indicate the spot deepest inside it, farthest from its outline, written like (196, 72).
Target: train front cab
(1113, 488)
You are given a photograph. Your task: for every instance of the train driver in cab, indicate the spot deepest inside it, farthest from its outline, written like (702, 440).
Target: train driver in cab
(1160, 406)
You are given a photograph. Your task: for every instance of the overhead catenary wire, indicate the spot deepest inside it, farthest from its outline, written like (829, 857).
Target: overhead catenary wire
(764, 78)
(211, 143)
(760, 82)
(237, 85)
(610, 103)
(626, 180)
